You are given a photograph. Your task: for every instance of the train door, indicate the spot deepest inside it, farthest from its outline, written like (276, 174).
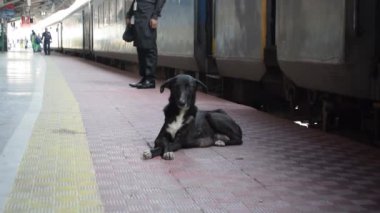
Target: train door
(59, 35)
(204, 10)
(87, 28)
(91, 28)
(378, 36)
(270, 55)
(200, 33)
(84, 31)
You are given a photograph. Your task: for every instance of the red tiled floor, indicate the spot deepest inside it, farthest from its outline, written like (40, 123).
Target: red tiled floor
(280, 167)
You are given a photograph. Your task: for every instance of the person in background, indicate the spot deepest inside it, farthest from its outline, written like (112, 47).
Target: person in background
(46, 36)
(26, 43)
(38, 43)
(33, 40)
(143, 14)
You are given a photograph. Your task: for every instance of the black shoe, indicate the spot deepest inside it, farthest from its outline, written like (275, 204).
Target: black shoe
(147, 84)
(138, 83)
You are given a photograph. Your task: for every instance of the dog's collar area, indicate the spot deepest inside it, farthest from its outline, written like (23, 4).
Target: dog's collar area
(177, 123)
(184, 108)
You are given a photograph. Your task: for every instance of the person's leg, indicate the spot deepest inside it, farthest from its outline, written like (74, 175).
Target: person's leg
(151, 63)
(45, 46)
(142, 64)
(140, 56)
(150, 60)
(48, 48)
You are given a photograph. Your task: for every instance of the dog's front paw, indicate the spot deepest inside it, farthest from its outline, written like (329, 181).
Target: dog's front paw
(168, 156)
(220, 143)
(147, 154)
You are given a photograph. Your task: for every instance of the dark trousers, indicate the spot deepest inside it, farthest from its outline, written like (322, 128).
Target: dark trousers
(147, 62)
(47, 48)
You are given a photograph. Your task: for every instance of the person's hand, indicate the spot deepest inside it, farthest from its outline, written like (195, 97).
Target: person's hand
(153, 23)
(128, 21)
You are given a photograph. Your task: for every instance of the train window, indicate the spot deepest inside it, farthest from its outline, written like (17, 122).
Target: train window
(116, 5)
(106, 12)
(112, 11)
(96, 18)
(120, 10)
(101, 16)
(116, 10)
(127, 5)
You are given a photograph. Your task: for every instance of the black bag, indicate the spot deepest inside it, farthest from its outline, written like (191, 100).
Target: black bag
(129, 33)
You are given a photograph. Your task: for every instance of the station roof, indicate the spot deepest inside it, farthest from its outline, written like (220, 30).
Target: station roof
(36, 9)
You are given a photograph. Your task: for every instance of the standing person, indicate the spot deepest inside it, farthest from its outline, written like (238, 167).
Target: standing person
(33, 41)
(38, 43)
(46, 36)
(144, 15)
(26, 43)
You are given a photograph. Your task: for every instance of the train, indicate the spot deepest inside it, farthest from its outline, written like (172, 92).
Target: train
(315, 53)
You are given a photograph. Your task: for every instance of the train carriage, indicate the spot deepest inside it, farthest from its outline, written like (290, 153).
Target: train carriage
(56, 36)
(330, 46)
(76, 31)
(240, 38)
(330, 49)
(176, 36)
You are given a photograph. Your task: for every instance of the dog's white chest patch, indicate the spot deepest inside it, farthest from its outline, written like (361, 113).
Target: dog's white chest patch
(174, 126)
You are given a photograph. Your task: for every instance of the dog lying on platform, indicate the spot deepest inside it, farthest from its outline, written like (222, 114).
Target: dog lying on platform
(186, 127)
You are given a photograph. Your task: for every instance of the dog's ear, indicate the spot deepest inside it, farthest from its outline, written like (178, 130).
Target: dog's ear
(166, 84)
(205, 89)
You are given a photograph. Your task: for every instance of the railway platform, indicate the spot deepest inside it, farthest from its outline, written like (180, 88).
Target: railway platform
(73, 133)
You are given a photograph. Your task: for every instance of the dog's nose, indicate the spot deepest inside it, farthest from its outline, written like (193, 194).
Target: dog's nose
(181, 103)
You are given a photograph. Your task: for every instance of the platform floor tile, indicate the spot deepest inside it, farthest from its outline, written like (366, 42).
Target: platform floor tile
(56, 173)
(280, 167)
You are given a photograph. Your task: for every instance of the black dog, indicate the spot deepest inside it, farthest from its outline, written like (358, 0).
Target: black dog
(186, 127)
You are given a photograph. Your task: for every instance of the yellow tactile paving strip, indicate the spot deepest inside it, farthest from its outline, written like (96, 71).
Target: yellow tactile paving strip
(56, 173)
